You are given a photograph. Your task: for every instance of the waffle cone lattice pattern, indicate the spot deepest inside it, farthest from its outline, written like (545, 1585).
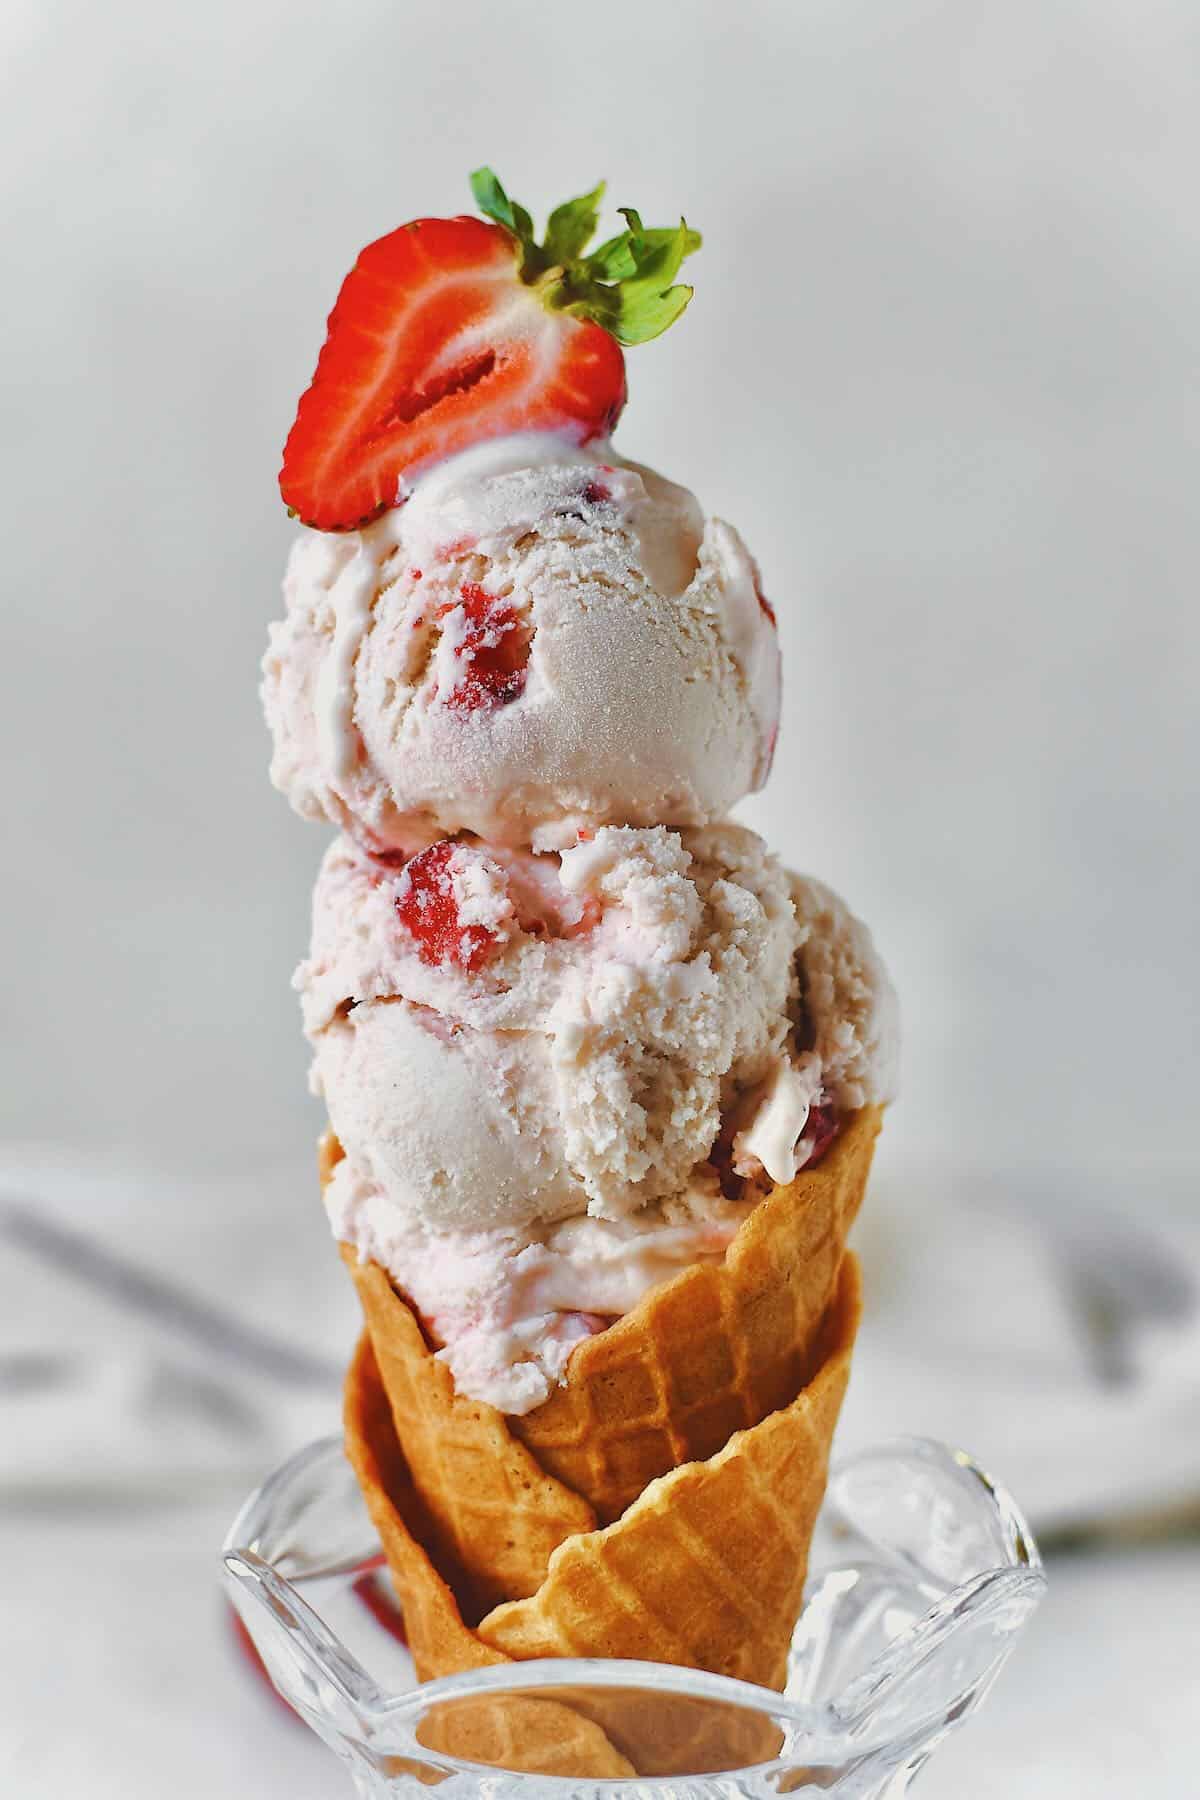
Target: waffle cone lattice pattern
(706, 1568)
(709, 1353)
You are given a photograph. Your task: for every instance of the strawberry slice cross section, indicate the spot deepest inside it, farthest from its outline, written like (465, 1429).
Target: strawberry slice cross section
(448, 332)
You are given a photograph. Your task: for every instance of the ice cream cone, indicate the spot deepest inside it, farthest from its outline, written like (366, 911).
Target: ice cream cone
(709, 1353)
(706, 1568)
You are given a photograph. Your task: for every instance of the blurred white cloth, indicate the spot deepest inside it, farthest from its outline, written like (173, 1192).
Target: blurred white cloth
(1048, 1324)
(160, 1333)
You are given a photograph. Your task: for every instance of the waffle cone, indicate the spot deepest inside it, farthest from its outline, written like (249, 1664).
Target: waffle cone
(713, 1351)
(706, 1568)
(536, 1736)
(493, 1516)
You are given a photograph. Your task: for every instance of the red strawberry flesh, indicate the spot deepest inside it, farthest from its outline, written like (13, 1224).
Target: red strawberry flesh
(764, 603)
(492, 646)
(435, 343)
(428, 909)
(822, 1127)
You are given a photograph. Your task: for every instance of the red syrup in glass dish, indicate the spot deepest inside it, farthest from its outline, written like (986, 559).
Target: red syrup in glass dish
(371, 1588)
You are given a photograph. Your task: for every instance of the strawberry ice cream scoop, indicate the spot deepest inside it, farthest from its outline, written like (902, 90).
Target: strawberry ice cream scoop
(539, 639)
(559, 1077)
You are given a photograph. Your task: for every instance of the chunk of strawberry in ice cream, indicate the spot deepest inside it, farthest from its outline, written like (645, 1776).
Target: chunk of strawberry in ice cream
(431, 907)
(491, 641)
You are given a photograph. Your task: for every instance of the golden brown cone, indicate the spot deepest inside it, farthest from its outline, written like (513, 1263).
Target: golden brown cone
(712, 1351)
(707, 1568)
(495, 1516)
(539, 1737)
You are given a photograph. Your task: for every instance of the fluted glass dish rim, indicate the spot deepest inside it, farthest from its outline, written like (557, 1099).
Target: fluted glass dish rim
(879, 1715)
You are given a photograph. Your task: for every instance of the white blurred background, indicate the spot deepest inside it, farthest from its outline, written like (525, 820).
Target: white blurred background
(940, 370)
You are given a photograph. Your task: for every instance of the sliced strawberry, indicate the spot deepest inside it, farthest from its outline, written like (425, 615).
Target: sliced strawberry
(451, 331)
(435, 343)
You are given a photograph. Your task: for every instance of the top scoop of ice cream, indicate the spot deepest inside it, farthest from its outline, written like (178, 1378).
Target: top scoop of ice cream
(541, 640)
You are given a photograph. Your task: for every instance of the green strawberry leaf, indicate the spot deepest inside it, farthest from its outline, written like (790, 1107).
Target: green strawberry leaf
(573, 225)
(658, 259)
(627, 285)
(649, 315)
(523, 225)
(640, 304)
(491, 198)
(616, 260)
(613, 261)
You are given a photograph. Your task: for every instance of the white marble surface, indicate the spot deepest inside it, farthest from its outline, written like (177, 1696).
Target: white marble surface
(120, 1680)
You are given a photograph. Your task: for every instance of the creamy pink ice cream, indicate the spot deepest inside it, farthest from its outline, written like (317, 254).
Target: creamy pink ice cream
(568, 1021)
(541, 639)
(559, 1078)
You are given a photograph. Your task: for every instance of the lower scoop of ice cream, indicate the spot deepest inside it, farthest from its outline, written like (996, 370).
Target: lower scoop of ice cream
(560, 1079)
(507, 1307)
(541, 638)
